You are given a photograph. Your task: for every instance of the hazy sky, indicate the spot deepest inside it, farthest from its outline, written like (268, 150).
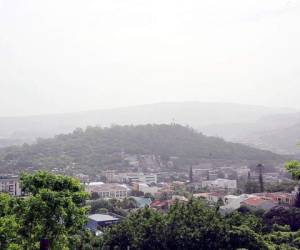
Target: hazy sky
(70, 55)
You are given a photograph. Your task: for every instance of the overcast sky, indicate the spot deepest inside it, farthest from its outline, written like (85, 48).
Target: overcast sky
(69, 55)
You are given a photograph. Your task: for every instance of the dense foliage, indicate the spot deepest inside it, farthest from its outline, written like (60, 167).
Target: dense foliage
(196, 226)
(98, 147)
(54, 210)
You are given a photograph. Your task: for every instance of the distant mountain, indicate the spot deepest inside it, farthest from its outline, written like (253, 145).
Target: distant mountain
(97, 148)
(279, 133)
(282, 120)
(282, 141)
(15, 130)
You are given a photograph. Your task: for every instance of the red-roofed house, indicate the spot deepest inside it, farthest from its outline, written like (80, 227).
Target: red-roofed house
(258, 203)
(279, 197)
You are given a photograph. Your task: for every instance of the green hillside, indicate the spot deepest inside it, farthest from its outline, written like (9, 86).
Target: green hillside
(98, 147)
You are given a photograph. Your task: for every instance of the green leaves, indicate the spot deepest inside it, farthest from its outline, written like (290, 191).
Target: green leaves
(293, 167)
(54, 210)
(32, 183)
(9, 228)
(196, 226)
(186, 226)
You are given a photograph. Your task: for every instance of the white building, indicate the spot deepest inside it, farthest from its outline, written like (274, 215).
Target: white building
(138, 177)
(143, 187)
(108, 190)
(96, 183)
(179, 198)
(233, 202)
(213, 197)
(217, 184)
(10, 184)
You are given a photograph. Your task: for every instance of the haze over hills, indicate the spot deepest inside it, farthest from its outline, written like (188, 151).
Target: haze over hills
(14, 130)
(279, 133)
(283, 141)
(96, 149)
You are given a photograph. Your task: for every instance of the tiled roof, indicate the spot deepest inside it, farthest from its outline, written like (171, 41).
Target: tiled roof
(255, 201)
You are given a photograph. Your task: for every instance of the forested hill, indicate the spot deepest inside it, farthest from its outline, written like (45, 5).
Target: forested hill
(99, 147)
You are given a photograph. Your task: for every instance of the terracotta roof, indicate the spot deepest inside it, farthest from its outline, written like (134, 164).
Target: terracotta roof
(217, 194)
(255, 201)
(158, 203)
(276, 196)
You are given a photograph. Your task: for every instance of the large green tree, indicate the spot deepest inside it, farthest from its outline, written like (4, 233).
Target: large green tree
(54, 210)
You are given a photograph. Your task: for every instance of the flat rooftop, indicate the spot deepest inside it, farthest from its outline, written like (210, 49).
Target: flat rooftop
(102, 217)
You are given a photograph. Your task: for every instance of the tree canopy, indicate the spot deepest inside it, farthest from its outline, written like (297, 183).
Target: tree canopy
(196, 226)
(54, 210)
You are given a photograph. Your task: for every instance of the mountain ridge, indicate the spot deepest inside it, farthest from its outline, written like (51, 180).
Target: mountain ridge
(194, 114)
(96, 148)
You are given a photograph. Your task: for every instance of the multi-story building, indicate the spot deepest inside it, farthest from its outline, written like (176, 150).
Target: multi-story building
(109, 190)
(223, 184)
(213, 197)
(138, 177)
(110, 176)
(145, 188)
(10, 184)
(279, 197)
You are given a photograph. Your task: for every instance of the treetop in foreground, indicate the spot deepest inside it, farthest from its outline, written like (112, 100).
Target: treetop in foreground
(54, 210)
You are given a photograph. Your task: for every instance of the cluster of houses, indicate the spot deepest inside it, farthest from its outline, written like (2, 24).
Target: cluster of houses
(122, 185)
(221, 191)
(157, 191)
(257, 201)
